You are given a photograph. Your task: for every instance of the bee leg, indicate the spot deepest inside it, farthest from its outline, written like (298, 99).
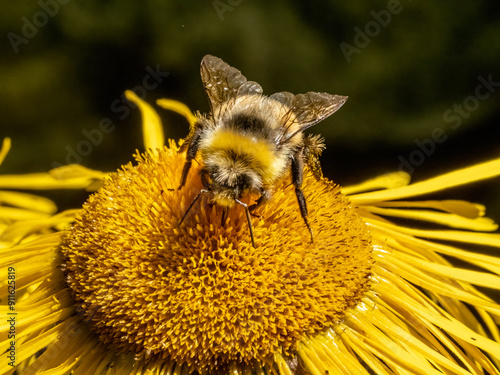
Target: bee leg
(191, 206)
(249, 220)
(204, 178)
(266, 195)
(192, 149)
(297, 179)
(204, 181)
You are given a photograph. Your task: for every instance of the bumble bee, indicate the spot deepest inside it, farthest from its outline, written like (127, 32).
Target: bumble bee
(249, 141)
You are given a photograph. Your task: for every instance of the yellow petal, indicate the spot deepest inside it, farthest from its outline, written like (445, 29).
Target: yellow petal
(460, 177)
(24, 200)
(380, 318)
(429, 282)
(449, 272)
(55, 361)
(151, 123)
(450, 220)
(386, 181)
(388, 350)
(12, 213)
(488, 239)
(391, 284)
(282, 365)
(422, 246)
(72, 176)
(462, 208)
(76, 171)
(19, 230)
(44, 245)
(308, 356)
(364, 352)
(97, 362)
(338, 356)
(39, 181)
(45, 339)
(178, 107)
(449, 324)
(4, 150)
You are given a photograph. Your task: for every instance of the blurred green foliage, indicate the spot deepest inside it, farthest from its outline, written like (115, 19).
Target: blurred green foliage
(423, 60)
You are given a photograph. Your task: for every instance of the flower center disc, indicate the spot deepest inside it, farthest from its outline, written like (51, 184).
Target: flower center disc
(199, 293)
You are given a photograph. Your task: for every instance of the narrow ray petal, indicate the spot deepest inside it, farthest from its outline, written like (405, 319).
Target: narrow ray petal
(178, 107)
(152, 128)
(460, 177)
(5, 149)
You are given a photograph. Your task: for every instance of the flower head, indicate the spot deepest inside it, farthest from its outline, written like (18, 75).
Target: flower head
(200, 293)
(119, 286)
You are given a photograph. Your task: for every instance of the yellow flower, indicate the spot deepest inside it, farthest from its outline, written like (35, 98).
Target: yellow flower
(119, 287)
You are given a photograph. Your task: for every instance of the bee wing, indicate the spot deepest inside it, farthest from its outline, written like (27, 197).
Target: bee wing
(308, 109)
(223, 84)
(249, 88)
(286, 98)
(314, 107)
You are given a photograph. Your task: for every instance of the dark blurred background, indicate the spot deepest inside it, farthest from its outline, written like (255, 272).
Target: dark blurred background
(413, 71)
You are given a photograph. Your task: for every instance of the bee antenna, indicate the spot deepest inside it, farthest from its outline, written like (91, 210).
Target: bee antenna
(249, 220)
(203, 191)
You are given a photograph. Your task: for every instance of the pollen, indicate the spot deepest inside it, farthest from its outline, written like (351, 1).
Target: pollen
(199, 293)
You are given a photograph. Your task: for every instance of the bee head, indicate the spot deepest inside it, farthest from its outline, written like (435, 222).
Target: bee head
(229, 184)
